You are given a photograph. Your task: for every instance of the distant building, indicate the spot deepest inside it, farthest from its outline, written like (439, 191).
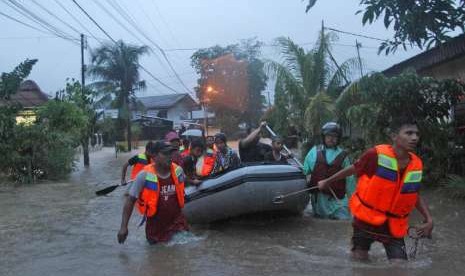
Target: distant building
(446, 61)
(174, 107)
(29, 96)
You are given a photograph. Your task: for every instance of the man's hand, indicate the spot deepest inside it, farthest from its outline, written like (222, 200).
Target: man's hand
(425, 230)
(122, 235)
(322, 184)
(196, 182)
(263, 125)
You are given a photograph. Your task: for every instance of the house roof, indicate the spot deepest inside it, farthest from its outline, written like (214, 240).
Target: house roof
(165, 101)
(29, 95)
(449, 50)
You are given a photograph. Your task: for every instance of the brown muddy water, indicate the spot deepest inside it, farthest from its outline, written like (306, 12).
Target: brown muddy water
(63, 229)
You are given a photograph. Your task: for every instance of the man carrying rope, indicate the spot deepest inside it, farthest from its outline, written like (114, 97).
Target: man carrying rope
(389, 178)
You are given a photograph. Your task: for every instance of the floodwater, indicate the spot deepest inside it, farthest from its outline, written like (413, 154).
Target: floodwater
(63, 229)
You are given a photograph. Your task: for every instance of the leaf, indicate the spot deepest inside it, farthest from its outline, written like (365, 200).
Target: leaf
(310, 5)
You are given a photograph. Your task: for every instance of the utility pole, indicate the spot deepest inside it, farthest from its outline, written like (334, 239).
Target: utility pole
(330, 54)
(85, 140)
(358, 45)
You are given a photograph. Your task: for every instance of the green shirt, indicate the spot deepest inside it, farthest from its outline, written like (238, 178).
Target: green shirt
(325, 206)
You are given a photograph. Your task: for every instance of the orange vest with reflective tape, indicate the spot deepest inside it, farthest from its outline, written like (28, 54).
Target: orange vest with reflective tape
(387, 195)
(147, 203)
(142, 161)
(205, 163)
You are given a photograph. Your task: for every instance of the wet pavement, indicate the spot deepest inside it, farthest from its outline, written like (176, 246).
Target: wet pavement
(63, 229)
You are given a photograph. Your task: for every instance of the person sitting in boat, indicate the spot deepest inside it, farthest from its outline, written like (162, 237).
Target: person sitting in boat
(158, 194)
(206, 162)
(184, 147)
(138, 162)
(173, 138)
(323, 161)
(226, 157)
(276, 155)
(210, 143)
(251, 149)
(189, 162)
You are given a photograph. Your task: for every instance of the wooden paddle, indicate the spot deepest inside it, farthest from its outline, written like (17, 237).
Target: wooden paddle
(110, 189)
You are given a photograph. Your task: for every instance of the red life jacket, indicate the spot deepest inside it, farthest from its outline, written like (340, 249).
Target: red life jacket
(142, 161)
(387, 195)
(147, 202)
(323, 170)
(205, 163)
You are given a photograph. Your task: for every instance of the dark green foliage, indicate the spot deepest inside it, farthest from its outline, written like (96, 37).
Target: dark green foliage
(415, 23)
(9, 82)
(370, 104)
(116, 70)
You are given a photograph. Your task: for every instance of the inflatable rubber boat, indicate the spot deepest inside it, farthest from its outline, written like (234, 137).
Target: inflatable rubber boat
(247, 190)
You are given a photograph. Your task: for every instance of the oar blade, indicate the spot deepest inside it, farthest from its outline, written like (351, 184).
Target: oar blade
(106, 191)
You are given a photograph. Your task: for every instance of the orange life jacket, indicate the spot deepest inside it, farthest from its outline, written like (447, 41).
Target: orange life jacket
(387, 195)
(205, 163)
(147, 203)
(142, 161)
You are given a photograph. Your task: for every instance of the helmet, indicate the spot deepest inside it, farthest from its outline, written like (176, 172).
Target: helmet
(331, 128)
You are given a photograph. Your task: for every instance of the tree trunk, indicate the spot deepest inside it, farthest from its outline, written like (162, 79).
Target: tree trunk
(129, 133)
(85, 151)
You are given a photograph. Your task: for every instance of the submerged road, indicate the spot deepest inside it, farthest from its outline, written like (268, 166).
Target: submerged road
(61, 228)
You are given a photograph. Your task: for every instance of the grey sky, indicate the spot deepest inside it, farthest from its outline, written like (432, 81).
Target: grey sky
(181, 24)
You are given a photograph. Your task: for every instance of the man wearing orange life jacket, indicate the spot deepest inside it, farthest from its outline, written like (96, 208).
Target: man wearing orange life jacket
(158, 194)
(138, 162)
(389, 178)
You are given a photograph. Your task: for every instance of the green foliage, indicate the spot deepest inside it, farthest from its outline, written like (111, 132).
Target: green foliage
(370, 104)
(116, 71)
(9, 82)
(247, 50)
(307, 84)
(415, 23)
(64, 117)
(454, 186)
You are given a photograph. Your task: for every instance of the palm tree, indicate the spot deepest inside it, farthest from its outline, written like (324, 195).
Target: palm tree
(307, 83)
(116, 67)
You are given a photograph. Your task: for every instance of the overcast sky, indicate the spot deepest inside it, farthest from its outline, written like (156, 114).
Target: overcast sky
(178, 25)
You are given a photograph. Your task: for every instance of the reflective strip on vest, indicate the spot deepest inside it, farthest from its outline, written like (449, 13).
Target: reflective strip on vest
(412, 182)
(387, 167)
(142, 158)
(151, 181)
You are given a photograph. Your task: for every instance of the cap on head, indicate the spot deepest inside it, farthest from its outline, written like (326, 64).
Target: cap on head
(160, 146)
(221, 136)
(170, 136)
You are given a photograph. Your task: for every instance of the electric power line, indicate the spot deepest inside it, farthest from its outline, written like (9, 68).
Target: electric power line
(132, 22)
(37, 19)
(114, 41)
(355, 34)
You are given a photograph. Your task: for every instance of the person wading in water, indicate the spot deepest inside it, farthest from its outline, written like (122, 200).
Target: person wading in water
(138, 162)
(158, 194)
(389, 178)
(323, 161)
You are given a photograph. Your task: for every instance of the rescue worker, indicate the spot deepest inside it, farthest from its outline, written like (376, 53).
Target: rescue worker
(323, 161)
(158, 194)
(196, 150)
(138, 162)
(173, 138)
(226, 158)
(276, 155)
(389, 180)
(251, 149)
